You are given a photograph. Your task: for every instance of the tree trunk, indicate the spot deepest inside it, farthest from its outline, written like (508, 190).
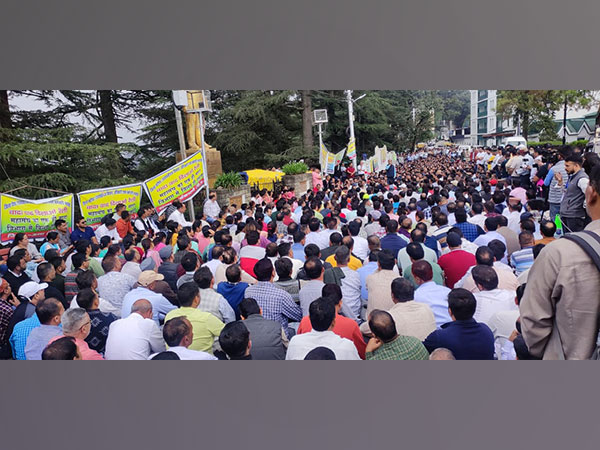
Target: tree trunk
(564, 138)
(307, 132)
(525, 125)
(5, 121)
(108, 116)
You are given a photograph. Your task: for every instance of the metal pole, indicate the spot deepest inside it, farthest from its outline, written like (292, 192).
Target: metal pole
(181, 136)
(351, 121)
(323, 163)
(204, 162)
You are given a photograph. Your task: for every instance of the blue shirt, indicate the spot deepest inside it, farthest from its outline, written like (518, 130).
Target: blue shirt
(18, 338)
(522, 260)
(38, 340)
(466, 339)
(364, 272)
(234, 294)
(298, 250)
(77, 234)
(393, 242)
(470, 231)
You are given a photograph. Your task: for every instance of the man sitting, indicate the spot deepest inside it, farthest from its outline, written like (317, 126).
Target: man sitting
(464, 337)
(388, 345)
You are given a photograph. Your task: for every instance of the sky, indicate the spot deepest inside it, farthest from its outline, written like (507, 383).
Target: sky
(26, 103)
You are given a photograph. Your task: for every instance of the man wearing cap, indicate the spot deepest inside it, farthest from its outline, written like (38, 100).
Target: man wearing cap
(30, 293)
(147, 282)
(168, 269)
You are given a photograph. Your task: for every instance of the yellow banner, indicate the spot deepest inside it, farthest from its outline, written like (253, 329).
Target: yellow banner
(181, 182)
(34, 217)
(97, 203)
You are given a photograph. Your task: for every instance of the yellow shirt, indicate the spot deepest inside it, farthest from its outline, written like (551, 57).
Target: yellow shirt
(206, 327)
(354, 263)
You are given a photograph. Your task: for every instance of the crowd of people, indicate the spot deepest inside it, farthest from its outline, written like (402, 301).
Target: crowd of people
(443, 255)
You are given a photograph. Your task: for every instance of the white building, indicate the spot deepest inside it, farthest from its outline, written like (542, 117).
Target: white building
(488, 128)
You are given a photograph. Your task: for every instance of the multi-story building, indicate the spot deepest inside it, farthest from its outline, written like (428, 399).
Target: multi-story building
(487, 128)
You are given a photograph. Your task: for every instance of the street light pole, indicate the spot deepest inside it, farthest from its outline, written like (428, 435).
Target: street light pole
(351, 121)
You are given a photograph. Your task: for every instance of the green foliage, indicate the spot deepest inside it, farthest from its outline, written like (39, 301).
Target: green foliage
(295, 168)
(229, 180)
(555, 143)
(57, 159)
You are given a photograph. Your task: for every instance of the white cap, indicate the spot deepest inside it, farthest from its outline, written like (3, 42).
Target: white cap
(31, 288)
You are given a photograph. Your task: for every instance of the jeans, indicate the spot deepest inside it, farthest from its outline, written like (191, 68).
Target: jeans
(554, 210)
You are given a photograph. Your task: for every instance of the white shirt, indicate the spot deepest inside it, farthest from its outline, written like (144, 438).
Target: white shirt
(160, 305)
(488, 237)
(212, 265)
(185, 354)
(132, 269)
(103, 230)
(351, 287)
(318, 238)
(514, 221)
(437, 298)
(477, 219)
(301, 344)
(177, 216)
(361, 247)
(491, 302)
(133, 338)
(502, 324)
(211, 209)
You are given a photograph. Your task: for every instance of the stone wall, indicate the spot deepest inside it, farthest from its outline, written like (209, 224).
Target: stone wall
(237, 196)
(301, 183)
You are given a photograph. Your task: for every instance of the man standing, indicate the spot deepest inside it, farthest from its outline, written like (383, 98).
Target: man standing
(572, 210)
(557, 188)
(559, 317)
(387, 344)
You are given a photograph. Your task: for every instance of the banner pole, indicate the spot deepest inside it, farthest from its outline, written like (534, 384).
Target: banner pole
(181, 136)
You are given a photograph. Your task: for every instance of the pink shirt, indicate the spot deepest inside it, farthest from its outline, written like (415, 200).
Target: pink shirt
(87, 354)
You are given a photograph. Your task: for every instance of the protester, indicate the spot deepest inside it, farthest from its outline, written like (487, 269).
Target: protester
(269, 341)
(387, 344)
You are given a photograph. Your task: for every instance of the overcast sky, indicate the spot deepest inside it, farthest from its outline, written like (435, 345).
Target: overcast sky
(26, 103)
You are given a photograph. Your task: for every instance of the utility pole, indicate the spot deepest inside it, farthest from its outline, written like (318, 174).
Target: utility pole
(351, 121)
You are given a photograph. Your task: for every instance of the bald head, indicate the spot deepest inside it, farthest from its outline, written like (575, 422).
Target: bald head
(382, 325)
(441, 354)
(143, 308)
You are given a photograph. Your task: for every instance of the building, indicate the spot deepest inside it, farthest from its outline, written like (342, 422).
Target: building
(488, 128)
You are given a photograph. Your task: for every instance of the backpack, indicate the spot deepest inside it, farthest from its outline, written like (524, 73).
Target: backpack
(590, 243)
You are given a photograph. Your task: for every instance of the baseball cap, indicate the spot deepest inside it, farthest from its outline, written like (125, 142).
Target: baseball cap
(31, 288)
(166, 252)
(147, 264)
(148, 277)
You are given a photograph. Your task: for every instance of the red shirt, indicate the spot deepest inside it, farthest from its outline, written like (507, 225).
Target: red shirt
(344, 327)
(455, 265)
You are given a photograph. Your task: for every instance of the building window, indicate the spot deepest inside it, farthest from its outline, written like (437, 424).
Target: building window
(482, 126)
(482, 95)
(482, 109)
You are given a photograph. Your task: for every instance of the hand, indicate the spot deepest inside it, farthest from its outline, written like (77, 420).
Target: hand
(13, 300)
(558, 177)
(374, 344)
